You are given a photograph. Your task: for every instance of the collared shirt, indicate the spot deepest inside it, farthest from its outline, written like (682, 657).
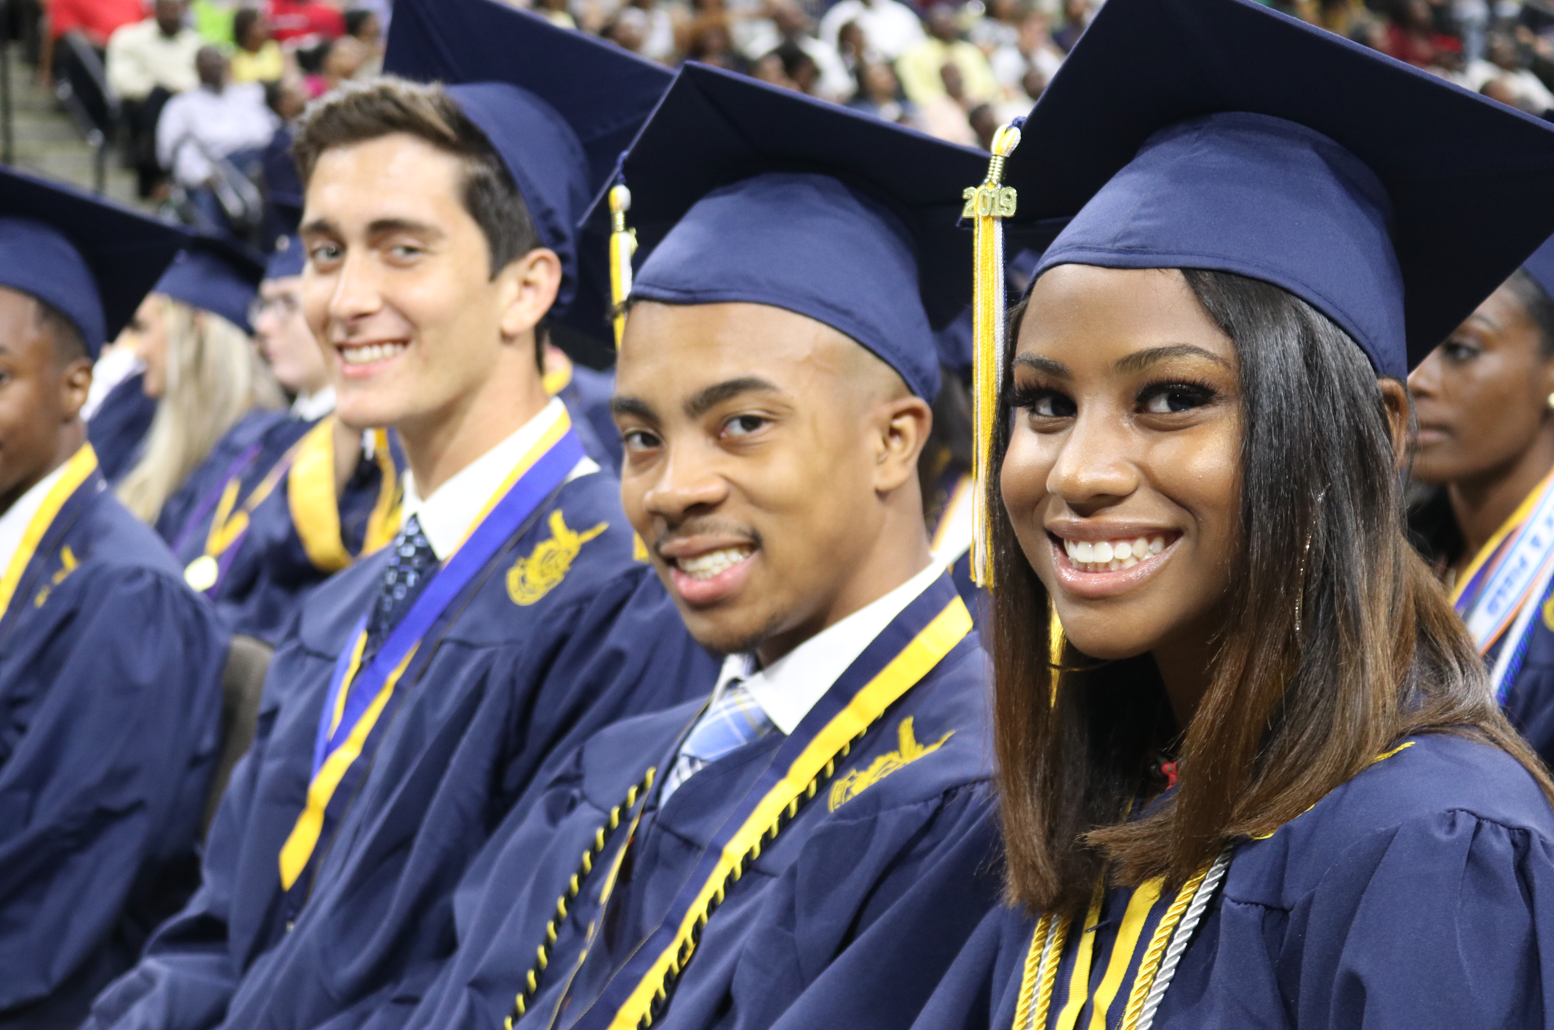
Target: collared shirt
(448, 516)
(140, 59)
(201, 125)
(311, 406)
(788, 688)
(13, 524)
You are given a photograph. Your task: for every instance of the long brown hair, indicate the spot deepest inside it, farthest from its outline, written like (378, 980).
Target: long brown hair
(1290, 713)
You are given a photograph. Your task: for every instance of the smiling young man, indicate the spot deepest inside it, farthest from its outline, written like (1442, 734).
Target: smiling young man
(807, 844)
(417, 693)
(110, 689)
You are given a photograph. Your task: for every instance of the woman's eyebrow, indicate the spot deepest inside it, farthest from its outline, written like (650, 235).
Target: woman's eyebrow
(1140, 360)
(1047, 366)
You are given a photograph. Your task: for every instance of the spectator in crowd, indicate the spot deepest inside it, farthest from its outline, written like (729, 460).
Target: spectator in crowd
(853, 47)
(217, 120)
(1076, 15)
(366, 26)
(256, 56)
(946, 116)
(889, 27)
(787, 23)
(306, 19)
(657, 30)
(147, 62)
(1411, 36)
(339, 60)
(94, 20)
(1507, 64)
(921, 67)
(879, 93)
(628, 29)
(999, 27)
(1033, 50)
(710, 41)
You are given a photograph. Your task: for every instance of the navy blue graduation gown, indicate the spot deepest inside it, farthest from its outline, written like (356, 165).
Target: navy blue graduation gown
(515, 668)
(299, 531)
(847, 918)
(1530, 701)
(120, 425)
(110, 702)
(1418, 894)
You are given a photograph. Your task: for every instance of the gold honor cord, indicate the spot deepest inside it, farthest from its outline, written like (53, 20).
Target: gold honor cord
(531, 979)
(987, 205)
(623, 244)
(1156, 969)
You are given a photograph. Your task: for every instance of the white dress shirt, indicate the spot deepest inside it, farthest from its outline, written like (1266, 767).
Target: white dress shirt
(448, 516)
(13, 524)
(889, 28)
(201, 125)
(788, 688)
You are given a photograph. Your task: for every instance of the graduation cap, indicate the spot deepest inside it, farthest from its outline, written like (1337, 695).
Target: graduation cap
(741, 191)
(1249, 142)
(91, 260)
(287, 259)
(1541, 267)
(215, 274)
(1218, 134)
(558, 106)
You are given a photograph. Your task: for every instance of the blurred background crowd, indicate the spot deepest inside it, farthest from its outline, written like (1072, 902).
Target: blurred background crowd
(196, 96)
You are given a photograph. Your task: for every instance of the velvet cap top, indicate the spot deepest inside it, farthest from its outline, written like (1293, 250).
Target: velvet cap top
(744, 192)
(558, 106)
(90, 259)
(216, 275)
(1218, 134)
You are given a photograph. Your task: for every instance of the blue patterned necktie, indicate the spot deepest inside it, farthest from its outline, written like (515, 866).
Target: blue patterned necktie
(412, 564)
(734, 720)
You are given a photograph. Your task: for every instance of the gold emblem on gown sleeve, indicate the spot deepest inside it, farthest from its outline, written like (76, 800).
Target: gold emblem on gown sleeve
(543, 570)
(847, 787)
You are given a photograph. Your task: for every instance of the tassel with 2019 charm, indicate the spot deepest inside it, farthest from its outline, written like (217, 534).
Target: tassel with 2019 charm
(987, 206)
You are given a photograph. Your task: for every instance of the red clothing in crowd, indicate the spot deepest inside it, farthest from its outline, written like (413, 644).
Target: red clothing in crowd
(94, 19)
(295, 18)
(1417, 51)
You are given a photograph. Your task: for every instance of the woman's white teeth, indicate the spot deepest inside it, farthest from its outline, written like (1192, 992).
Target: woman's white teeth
(1111, 555)
(705, 566)
(370, 353)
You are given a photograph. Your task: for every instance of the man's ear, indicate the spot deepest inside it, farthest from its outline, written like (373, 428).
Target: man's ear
(904, 423)
(528, 288)
(74, 386)
(1400, 413)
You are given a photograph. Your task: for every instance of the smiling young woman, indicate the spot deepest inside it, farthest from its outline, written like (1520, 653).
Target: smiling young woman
(1250, 770)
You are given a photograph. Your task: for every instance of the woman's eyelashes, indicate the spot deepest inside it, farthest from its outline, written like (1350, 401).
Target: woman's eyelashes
(1168, 397)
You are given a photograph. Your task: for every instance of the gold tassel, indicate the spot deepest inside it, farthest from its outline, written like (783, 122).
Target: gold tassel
(623, 244)
(987, 205)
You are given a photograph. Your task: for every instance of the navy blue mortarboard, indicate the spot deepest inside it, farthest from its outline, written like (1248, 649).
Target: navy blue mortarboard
(1541, 267)
(287, 259)
(1218, 134)
(745, 192)
(91, 260)
(216, 275)
(557, 105)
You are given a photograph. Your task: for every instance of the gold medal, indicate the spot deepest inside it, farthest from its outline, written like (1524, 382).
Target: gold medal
(202, 573)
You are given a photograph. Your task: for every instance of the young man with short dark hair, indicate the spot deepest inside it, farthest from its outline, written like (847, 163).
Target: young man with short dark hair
(810, 846)
(417, 693)
(110, 668)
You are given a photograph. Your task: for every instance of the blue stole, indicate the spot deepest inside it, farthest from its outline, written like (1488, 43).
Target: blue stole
(361, 697)
(894, 662)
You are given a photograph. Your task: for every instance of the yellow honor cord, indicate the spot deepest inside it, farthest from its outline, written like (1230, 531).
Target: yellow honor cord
(623, 244)
(987, 205)
(80, 466)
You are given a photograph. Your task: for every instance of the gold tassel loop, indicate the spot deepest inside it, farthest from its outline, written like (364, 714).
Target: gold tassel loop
(623, 244)
(987, 205)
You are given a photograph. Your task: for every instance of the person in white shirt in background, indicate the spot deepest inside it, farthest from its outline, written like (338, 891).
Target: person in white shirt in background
(146, 63)
(1033, 51)
(1506, 65)
(786, 22)
(890, 27)
(214, 121)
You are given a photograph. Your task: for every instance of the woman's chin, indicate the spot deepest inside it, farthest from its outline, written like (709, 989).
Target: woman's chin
(1105, 647)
